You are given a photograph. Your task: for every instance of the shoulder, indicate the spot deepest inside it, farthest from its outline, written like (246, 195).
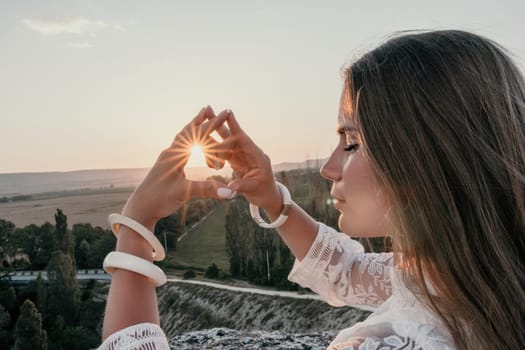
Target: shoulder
(139, 336)
(384, 337)
(401, 322)
(392, 342)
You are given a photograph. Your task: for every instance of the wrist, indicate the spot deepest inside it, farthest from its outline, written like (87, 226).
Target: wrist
(135, 237)
(276, 220)
(139, 213)
(274, 204)
(145, 220)
(130, 242)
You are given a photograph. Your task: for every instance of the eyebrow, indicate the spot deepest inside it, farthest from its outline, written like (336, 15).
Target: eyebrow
(346, 128)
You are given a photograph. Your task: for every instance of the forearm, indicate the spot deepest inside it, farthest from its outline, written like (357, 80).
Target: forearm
(299, 230)
(132, 298)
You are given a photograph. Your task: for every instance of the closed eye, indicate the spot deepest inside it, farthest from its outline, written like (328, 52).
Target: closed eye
(352, 147)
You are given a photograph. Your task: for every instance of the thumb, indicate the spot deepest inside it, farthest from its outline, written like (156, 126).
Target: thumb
(244, 186)
(207, 189)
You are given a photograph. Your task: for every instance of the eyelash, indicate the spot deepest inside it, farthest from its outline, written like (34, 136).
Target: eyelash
(352, 147)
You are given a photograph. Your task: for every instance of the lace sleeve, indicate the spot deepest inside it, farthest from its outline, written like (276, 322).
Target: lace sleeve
(143, 336)
(337, 268)
(392, 342)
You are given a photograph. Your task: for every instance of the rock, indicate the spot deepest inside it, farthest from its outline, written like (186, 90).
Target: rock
(203, 317)
(186, 308)
(230, 339)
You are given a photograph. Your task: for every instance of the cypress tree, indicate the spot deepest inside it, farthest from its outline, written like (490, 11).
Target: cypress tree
(63, 296)
(29, 332)
(63, 238)
(5, 328)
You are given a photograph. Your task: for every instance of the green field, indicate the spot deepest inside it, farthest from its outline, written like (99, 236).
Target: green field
(205, 244)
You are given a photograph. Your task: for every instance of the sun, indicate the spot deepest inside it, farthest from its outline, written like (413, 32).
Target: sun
(197, 157)
(196, 151)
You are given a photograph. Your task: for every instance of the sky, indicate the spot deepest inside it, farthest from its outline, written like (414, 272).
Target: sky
(107, 84)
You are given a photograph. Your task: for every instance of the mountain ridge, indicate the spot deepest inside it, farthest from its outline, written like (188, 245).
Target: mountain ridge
(24, 183)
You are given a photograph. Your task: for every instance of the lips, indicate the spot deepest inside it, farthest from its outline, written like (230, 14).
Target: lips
(338, 204)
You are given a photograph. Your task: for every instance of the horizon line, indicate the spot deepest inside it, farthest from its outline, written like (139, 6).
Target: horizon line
(129, 168)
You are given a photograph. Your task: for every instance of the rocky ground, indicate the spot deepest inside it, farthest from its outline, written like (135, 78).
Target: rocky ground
(203, 317)
(229, 339)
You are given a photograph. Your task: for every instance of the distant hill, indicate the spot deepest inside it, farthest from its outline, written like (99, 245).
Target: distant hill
(15, 184)
(311, 163)
(31, 183)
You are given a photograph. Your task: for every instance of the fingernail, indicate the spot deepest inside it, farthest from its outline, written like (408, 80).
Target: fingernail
(224, 192)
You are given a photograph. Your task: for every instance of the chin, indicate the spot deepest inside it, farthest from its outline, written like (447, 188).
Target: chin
(347, 227)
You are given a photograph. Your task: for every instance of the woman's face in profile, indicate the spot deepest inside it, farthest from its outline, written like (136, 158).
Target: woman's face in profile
(355, 190)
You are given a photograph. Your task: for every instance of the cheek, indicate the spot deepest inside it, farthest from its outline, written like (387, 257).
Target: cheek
(366, 210)
(367, 219)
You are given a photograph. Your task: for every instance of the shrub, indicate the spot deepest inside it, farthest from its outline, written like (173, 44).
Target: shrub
(212, 271)
(189, 274)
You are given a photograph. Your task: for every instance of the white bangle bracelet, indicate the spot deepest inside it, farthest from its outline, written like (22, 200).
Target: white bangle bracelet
(287, 205)
(125, 261)
(115, 220)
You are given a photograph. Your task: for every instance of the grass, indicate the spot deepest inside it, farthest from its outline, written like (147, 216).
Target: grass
(204, 245)
(79, 207)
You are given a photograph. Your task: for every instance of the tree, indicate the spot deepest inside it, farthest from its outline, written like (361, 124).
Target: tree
(83, 232)
(212, 271)
(82, 254)
(5, 328)
(188, 274)
(28, 239)
(7, 229)
(29, 332)
(63, 237)
(41, 294)
(7, 293)
(100, 248)
(79, 338)
(46, 247)
(238, 227)
(63, 295)
(171, 227)
(218, 178)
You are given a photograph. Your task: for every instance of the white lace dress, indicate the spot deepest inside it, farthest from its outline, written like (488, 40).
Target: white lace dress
(337, 268)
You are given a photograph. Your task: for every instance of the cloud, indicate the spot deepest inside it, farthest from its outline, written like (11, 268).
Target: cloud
(81, 45)
(119, 27)
(76, 25)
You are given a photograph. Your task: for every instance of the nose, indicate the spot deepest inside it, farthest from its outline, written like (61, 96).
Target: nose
(331, 170)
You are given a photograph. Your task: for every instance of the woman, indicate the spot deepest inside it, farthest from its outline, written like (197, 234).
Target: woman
(432, 153)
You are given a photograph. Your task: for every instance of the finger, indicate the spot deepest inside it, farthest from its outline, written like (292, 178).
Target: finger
(206, 189)
(237, 133)
(173, 159)
(244, 186)
(198, 133)
(208, 113)
(233, 125)
(214, 162)
(199, 118)
(189, 132)
(213, 124)
(222, 151)
(185, 135)
(205, 113)
(223, 130)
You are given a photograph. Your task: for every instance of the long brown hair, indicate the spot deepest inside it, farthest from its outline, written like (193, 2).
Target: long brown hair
(442, 116)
